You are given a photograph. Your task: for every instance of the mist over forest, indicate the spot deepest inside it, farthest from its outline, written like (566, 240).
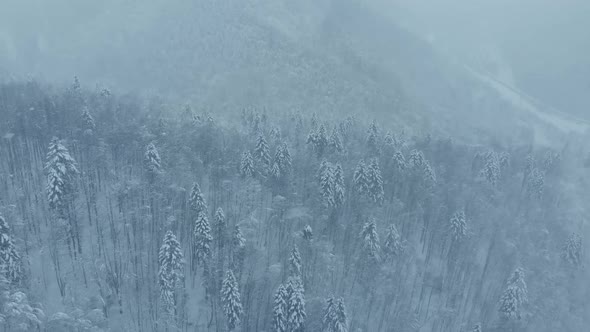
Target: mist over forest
(291, 166)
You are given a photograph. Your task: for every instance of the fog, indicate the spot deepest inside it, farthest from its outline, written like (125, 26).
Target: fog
(294, 165)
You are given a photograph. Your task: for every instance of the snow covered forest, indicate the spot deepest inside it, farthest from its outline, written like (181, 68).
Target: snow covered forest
(289, 166)
(123, 214)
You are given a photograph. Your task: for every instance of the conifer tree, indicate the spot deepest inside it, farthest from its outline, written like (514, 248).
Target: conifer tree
(360, 178)
(326, 178)
(334, 319)
(88, 123)
(335, 142)
(370, 240)
(572, 250)
(514, 296)
(280, 308)
(491, 169)
(399, 162)
(238, 250)
(393, 246)
(152, 159)
(477, 328)
(339, 191)
(261, 151)
(375, 183)
(458, 226)
(247, 165)
(373, 139)
(296, 306)
(170, 259)
(535, 183)
(275, 134)
(202, 239)
(61, 172)
(10, 260)
(197, 200)
(283, 159)
(318, 140)
(230, 298)
(295, 263)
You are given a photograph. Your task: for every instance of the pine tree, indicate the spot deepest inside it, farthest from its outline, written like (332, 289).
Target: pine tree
(398, 162)
(247, 165)
(393, 245)
(171, 261)
(283, 159)
(334, 319)
(458, 226)
(514, 296)
(491, 169)
(329, 315)
(202, 239)
(339, 191)
(335, 142)
(10, 260)
(197, 200)
(275, 134)
(370, 240)
(238, 250)
(230, 298)
(375, 183)
(318, 140)
(296, 306)
(152, 161)
(88, 123)
(361, 182)
(477, 328)
(279, 313)
(326, 179)
(295, 263)
(535, 183)
(572, 250)
(261, 151)
(61, 172)
(372, 139)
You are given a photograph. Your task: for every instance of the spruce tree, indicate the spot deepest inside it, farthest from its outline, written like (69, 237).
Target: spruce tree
(295, 263)
(152, 160)
(170, 259)
(88, 123)
(334, 319)
(572, 250)
(283, 159)
(262, 152)
(491, 169)
(296, 305)
(238, 250)
(61, 173)
(373, 139)
(514, 296)
(197, 201)
(535, 183)
(458, 226)
(327, 183)
(375, 183)
(370, 241)
(280, 308)
(393, 246)
(339, 191)
(10, 260)
(335, 142)
(247, 165)
(230, 298)
(360, 179)
(202, 239)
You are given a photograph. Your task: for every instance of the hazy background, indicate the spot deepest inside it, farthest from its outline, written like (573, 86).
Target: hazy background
(538, 46)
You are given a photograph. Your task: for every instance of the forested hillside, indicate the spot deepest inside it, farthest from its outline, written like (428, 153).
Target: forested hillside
(122, 213)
